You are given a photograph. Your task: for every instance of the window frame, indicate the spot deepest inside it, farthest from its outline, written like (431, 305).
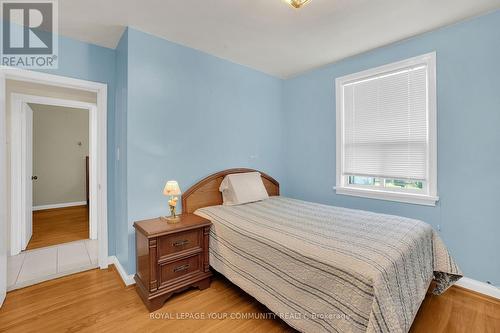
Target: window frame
(429, 195)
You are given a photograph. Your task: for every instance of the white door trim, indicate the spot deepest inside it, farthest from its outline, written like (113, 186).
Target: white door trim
(3, 192)
(19, 146)
(100, 146)
(27, 171)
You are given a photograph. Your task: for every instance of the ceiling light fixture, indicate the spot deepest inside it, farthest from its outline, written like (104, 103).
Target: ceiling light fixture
(296, 3)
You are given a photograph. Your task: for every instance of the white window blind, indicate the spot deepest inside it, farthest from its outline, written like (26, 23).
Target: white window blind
(386, 126)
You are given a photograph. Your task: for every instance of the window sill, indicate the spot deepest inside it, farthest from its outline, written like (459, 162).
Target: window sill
(416, 199)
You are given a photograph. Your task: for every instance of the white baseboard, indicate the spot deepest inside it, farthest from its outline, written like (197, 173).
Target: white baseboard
(478, 286)
(60, 205)
(128, 279)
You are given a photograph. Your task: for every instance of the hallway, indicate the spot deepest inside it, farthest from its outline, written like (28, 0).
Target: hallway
(59, 225)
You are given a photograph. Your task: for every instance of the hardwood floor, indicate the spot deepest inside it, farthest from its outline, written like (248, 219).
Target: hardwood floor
(97, 301)
(458, 310)
(60, 225)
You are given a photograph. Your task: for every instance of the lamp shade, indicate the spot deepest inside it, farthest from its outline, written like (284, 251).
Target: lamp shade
(172, 188)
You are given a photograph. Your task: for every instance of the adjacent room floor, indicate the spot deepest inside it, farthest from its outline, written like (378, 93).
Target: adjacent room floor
(60, 225)
(34, 266)
(97, 301)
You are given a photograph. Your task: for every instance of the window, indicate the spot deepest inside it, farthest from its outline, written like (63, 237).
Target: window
(386, 132)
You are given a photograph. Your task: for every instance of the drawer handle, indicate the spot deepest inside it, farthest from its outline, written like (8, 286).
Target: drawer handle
(181, 268)
(180, 243)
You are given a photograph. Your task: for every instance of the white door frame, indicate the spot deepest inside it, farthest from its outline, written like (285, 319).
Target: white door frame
(101, 206)
(3, 193)
(18, 167)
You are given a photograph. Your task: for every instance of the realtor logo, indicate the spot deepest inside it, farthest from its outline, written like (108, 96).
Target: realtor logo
(29, 36)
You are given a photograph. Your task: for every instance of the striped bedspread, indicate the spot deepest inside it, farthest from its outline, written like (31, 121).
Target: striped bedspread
(329, 269)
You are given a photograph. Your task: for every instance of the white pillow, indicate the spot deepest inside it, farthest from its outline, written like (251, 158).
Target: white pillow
(240, 188)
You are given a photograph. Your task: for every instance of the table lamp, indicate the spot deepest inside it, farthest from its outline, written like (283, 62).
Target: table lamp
(172, 189)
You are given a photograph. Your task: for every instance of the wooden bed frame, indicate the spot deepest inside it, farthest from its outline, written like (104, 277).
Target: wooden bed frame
(206, 192)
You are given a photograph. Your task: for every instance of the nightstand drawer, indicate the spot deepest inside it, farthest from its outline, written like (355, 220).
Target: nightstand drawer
(182, 241)
(173, 271)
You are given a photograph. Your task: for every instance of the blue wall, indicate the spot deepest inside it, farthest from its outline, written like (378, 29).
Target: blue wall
(190, 114)
(468, 72)
(120, 190)
(94, 63)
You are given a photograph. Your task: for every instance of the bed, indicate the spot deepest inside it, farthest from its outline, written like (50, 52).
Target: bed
(323, 268)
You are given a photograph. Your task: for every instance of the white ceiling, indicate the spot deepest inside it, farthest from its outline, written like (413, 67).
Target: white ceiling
(267, 35)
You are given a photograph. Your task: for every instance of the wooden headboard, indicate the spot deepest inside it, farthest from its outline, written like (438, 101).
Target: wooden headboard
(206, 192)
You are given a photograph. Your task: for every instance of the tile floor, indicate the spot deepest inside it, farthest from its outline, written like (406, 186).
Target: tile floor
(34, 266)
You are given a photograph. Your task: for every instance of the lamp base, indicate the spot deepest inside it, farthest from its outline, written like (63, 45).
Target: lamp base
(171, 219)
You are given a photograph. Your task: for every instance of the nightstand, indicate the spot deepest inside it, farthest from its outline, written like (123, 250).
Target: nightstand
(171, 257)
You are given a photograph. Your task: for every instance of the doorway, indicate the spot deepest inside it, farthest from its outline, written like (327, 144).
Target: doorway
(64, 139)
(60, 174)
(21, 225)
(52, 152)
